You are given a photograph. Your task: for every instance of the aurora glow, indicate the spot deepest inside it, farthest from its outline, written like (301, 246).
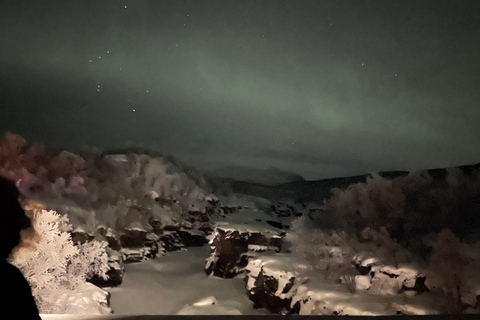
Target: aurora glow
(322, 88)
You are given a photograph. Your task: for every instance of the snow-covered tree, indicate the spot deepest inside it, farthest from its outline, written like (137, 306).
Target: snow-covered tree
(53, 265)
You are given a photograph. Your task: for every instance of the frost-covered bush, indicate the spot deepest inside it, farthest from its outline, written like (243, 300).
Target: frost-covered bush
(327, 252)
(53, 265)
(377, 202)
(134, 188)
(407, 207)
(91, 260)
(395, 220)
(452, 271)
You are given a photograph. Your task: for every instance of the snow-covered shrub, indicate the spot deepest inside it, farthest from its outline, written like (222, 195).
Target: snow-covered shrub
(452, 272)
(52, 264)
(91, 260)
(375, 203)
(327, 252)
(407, 208)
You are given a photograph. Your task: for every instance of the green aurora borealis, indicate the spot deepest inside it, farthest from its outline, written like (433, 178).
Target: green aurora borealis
(323, 88)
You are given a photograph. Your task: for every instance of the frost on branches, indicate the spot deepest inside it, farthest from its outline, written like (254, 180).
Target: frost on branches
(57, 269)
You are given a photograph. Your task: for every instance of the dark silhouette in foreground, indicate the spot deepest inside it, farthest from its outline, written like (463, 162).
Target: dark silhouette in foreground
(17, 299)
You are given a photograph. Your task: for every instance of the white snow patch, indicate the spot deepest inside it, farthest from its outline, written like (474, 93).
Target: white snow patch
(209, 306)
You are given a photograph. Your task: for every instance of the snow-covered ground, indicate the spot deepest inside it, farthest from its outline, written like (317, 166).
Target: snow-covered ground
(177, 283)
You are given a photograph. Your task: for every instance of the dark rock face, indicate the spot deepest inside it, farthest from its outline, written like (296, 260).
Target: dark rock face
(275, 224)
(271, 287)
(112, 239)
(151, 244)
(264, 294)
(133, 238)
(138, 245)
(230, 251)
(190, 238)
(283, 210)
(171, 241)
(80, 236)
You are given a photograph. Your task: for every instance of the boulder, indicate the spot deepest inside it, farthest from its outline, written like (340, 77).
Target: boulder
(230, 249)
(133, 237)
(269, 288)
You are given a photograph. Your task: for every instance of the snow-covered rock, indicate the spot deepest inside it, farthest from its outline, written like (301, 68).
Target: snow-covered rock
(208, 306)
(269, 286)
(192, 237)
(79, 234)
(230, 246)
(171, 241)
(380, 279)
(86, 299)
(277, 283)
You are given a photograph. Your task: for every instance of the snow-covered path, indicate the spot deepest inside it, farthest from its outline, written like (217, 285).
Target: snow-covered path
(166, 284)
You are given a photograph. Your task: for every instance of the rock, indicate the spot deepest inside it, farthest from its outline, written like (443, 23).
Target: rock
(171, 241)
(269, 288)
(380, 279)
(137, 244)
(133, 237)
(229, 250)
(151, 242)
(135, 254)
(363, 262)
(283, 210)
(383, 284)
(192, 238)
(85, 299)
(273, 283)
(275, 224)
(363, 282)
(112, 239)
(79, 235)
(260, 248)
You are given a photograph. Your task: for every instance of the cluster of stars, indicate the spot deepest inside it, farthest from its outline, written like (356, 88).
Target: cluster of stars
(91, 61)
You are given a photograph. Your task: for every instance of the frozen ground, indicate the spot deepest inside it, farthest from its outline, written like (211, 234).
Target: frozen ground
(168, 284)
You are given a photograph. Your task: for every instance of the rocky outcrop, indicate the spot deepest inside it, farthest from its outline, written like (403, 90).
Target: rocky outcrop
(137, 244)
(270, 289)
(378, 279)
(230, 250)
(171, 241)
(274, 282)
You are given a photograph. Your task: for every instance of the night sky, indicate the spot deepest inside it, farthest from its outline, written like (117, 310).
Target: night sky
(321, 88)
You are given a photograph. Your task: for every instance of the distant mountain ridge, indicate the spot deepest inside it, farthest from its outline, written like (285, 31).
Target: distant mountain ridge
(271, 176)
(318, 190)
